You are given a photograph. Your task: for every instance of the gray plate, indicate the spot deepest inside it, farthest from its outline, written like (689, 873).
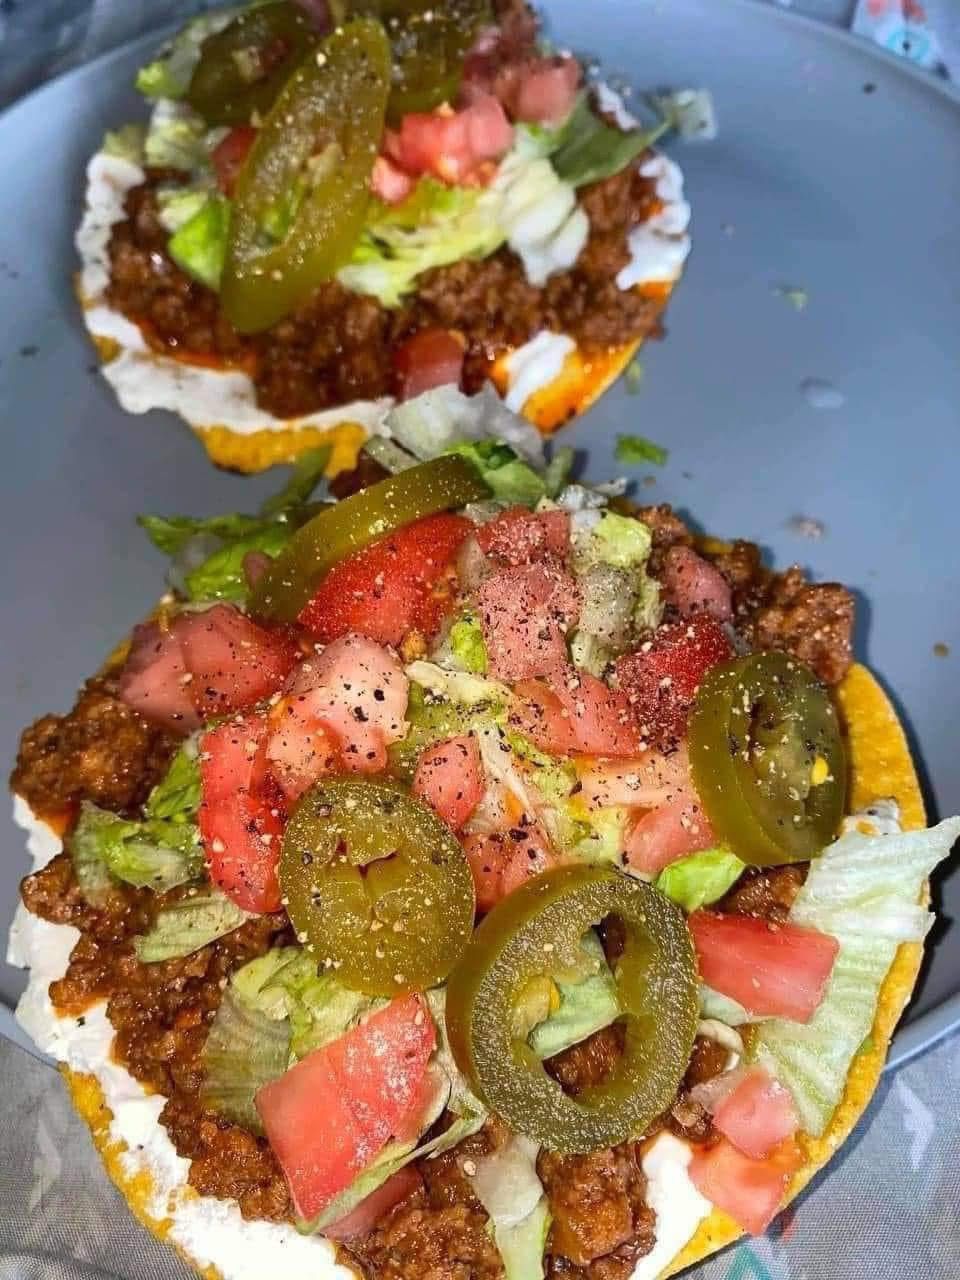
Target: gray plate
(813, 182)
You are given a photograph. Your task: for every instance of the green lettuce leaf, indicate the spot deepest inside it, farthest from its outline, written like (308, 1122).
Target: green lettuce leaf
(638, 449)
(507, 1185)
(586, 1005)
(170, 534)
(865, 891)
(221, 576)
(158, 854)
(176, 138)
(319, 1007)
(125, 143)
(177, 795)
(702, 878)
(522, 1245)
(466, 645)
(244, 1050)
(619, 541)
(188, 925)
(199, 245)
(431, 719)
(435, 226)
(508, 477)
(590, 150)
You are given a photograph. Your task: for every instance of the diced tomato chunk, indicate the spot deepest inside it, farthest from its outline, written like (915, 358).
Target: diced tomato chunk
(518, 536)
(154, 679)
(344, 708)
(776, 969)
(389, 182)
(361, 1220)
(203, 664)
(670, 831)
(428, 358)
(661, 681)
(449, 777)
(503, 861)
(751, 1191)
(329, 1116)
(229, 156)
(643, 783)
(757, 1114)
(577, 713)
(392, 586)
(695, 586)
(239, 818)
(525, 614)
(452, 145)
(542, 91)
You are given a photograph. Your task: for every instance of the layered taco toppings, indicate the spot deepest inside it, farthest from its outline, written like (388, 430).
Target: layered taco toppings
(343, 204)
(465, 867)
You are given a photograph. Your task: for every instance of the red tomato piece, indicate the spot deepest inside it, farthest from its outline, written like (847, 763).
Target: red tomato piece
(449, 777)
(427, 359)
(229, 156)
(578, 713)
(328, 1116)
(519, 536)
(651, 779)
(504, 860)
(695, 586)
(452, 145)
(542, 91)
(389, 182)
(361, 1220)
(233, 662)
(345, 706)
(757, 1114)
(751, 1191)
(672, 830)
(239, 818)
(154, 679)
(525, 613)
(776, 969)
(391, 586)
(661, 680)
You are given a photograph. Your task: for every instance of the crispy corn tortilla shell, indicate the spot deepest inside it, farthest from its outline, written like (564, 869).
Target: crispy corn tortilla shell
(880, 766)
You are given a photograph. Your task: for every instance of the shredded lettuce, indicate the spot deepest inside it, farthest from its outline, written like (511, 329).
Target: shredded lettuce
(523, 1245)
(438, 420)
(700, 879)
(431, 719)
(188, 925)
(538, 212)
(462, 687)
(509, 478)
(620, 541)
(169, 75)
(199, 245)
(720, 1008)
(125, 143)
(216, 573)
(244, 1050)
(638, 449)
(587, 149)
(176, 138)
(587, 1002)
(507, 1185)
(466, 646)
(865, 891)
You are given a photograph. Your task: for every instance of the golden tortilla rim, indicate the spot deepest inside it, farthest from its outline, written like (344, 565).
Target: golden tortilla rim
(880, 766)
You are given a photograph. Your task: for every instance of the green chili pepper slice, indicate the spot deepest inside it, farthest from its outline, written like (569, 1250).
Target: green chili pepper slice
(377, 887)
(346, 526)
(243, 67)
(768, 758)
(302, 195)
(429, 43)
(536, 930)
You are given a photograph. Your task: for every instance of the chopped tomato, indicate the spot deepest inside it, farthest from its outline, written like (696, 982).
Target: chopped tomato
(328, 1116)
(203, 664)
(695, 586)
(427, 359)
(577, 713)
(449, 777)
(389, 182)
(662, 677)
(776, 969)
(239, 818)
(228, 157)
(390, 587)
(525, 613)
(233, 661)
(668, 832)
(757, 1114)
(751, 1191)
(504, 860)
(154, 679)
(454, 146)
(649, 780)
(361, 1220)
(541, 90)
(343, 707)
(519, 536)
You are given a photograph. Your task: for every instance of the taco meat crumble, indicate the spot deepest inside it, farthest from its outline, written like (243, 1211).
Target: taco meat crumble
(104, 752)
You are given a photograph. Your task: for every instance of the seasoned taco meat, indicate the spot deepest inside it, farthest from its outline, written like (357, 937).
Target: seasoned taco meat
(102, 751)
(588, 1063)
(764, 892)
(339, 346)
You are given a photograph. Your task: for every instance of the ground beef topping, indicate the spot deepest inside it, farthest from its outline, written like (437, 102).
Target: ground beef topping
(338, 346)
(767, 893)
